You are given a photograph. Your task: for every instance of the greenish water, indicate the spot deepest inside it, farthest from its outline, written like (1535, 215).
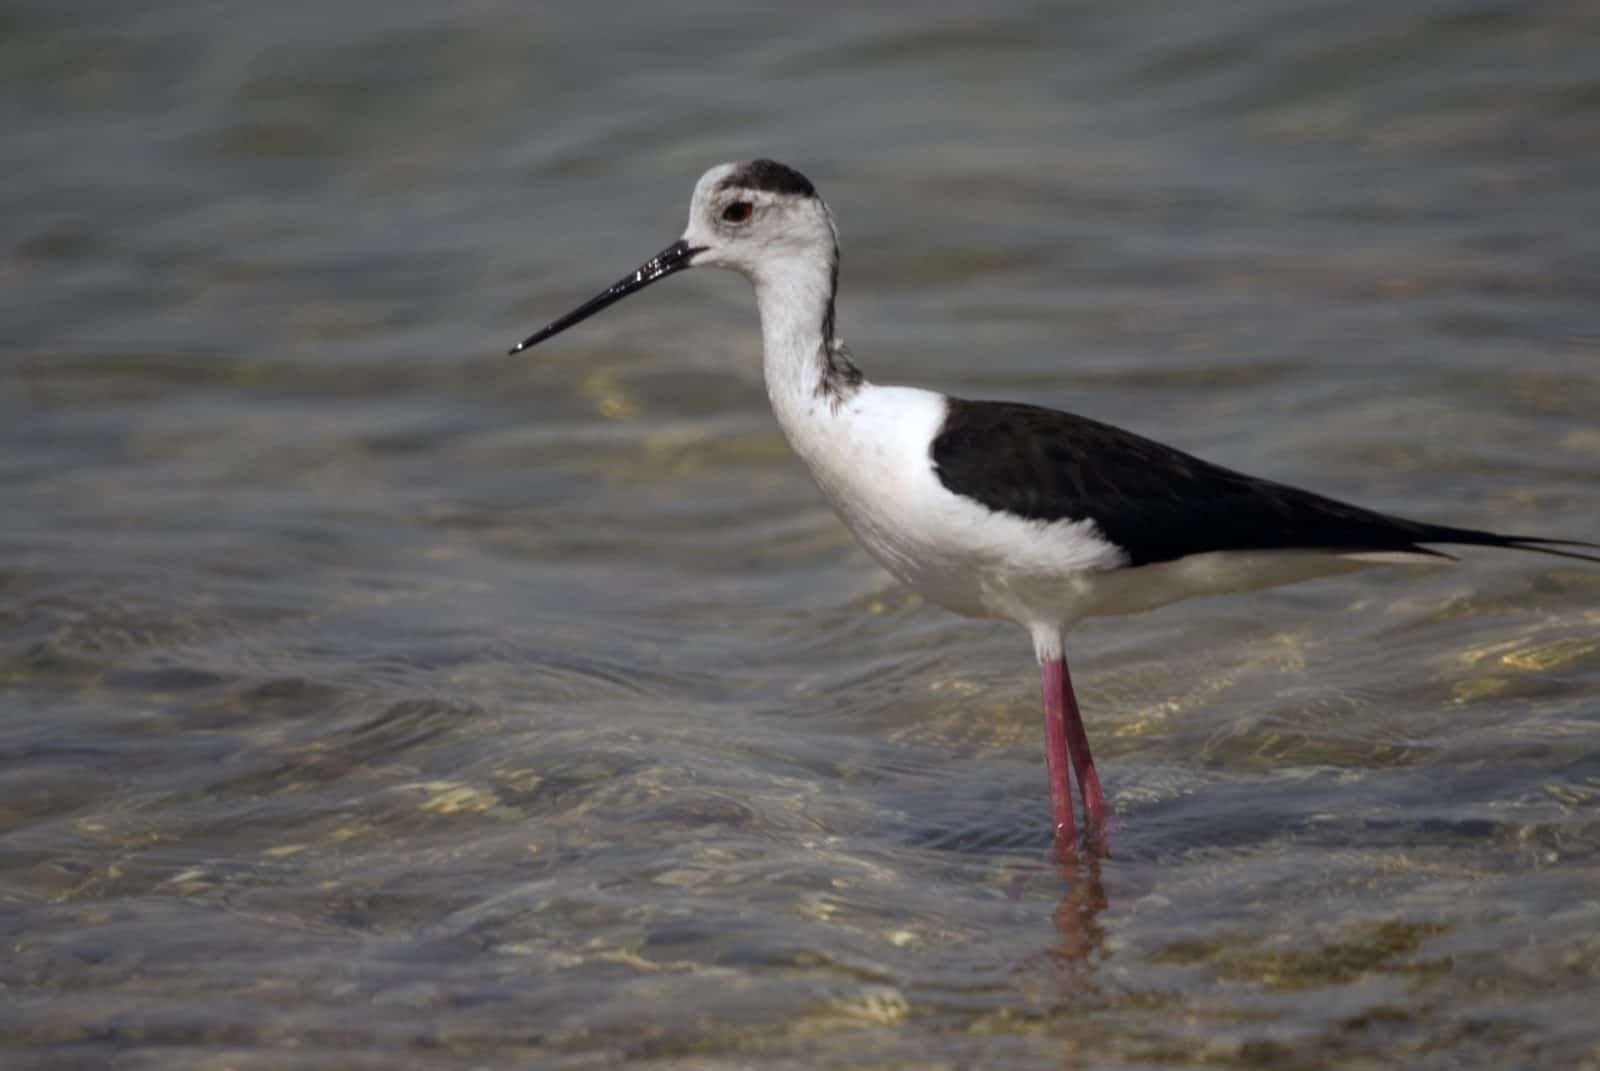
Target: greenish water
(371, 700)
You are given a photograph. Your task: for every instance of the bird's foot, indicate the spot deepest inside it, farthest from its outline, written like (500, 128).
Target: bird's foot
(1067, 847)
(1097, 837)
(1064, 848)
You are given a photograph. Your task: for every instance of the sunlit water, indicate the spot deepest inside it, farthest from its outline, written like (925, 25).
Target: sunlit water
(371, 700)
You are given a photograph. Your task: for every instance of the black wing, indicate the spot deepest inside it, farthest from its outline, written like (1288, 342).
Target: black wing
(1157, 503)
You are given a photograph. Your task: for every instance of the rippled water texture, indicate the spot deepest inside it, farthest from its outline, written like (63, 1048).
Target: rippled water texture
(369, 699)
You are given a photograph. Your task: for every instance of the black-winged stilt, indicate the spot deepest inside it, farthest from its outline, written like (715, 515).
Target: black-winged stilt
(1002, 510)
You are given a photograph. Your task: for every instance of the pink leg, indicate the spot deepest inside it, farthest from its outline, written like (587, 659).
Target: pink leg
(1094, 801)
(1052, 681)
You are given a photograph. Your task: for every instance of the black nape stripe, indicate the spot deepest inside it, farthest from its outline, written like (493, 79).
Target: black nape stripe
(770, 177)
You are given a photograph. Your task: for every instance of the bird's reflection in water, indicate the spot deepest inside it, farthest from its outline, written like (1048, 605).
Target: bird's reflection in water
(1077, 917)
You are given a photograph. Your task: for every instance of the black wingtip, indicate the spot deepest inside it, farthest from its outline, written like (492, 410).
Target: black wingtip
(1552, 547)
(1533, 544)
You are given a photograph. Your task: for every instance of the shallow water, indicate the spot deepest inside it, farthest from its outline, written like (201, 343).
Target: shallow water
(368, 699)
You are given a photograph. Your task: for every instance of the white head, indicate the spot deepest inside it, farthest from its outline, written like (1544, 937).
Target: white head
(751, 216)
(757, 217)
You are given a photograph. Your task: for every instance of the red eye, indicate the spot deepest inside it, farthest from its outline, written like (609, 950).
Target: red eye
(737, 212)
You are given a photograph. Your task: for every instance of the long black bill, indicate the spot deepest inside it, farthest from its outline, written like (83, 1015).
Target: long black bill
(676, 257)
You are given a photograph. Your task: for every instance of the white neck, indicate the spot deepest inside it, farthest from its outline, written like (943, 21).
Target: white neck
(807, 370)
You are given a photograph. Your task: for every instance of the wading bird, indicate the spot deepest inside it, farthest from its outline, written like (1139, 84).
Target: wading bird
(1003, 510)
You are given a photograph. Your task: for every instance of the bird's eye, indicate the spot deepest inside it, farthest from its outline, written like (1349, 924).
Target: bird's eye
(737, 212)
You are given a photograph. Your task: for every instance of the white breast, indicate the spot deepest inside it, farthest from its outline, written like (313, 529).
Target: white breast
(870, 455)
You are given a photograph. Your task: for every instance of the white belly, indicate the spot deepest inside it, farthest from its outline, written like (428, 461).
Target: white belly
(871, 459)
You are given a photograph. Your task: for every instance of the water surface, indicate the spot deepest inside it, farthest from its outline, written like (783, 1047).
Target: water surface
(369, 699)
